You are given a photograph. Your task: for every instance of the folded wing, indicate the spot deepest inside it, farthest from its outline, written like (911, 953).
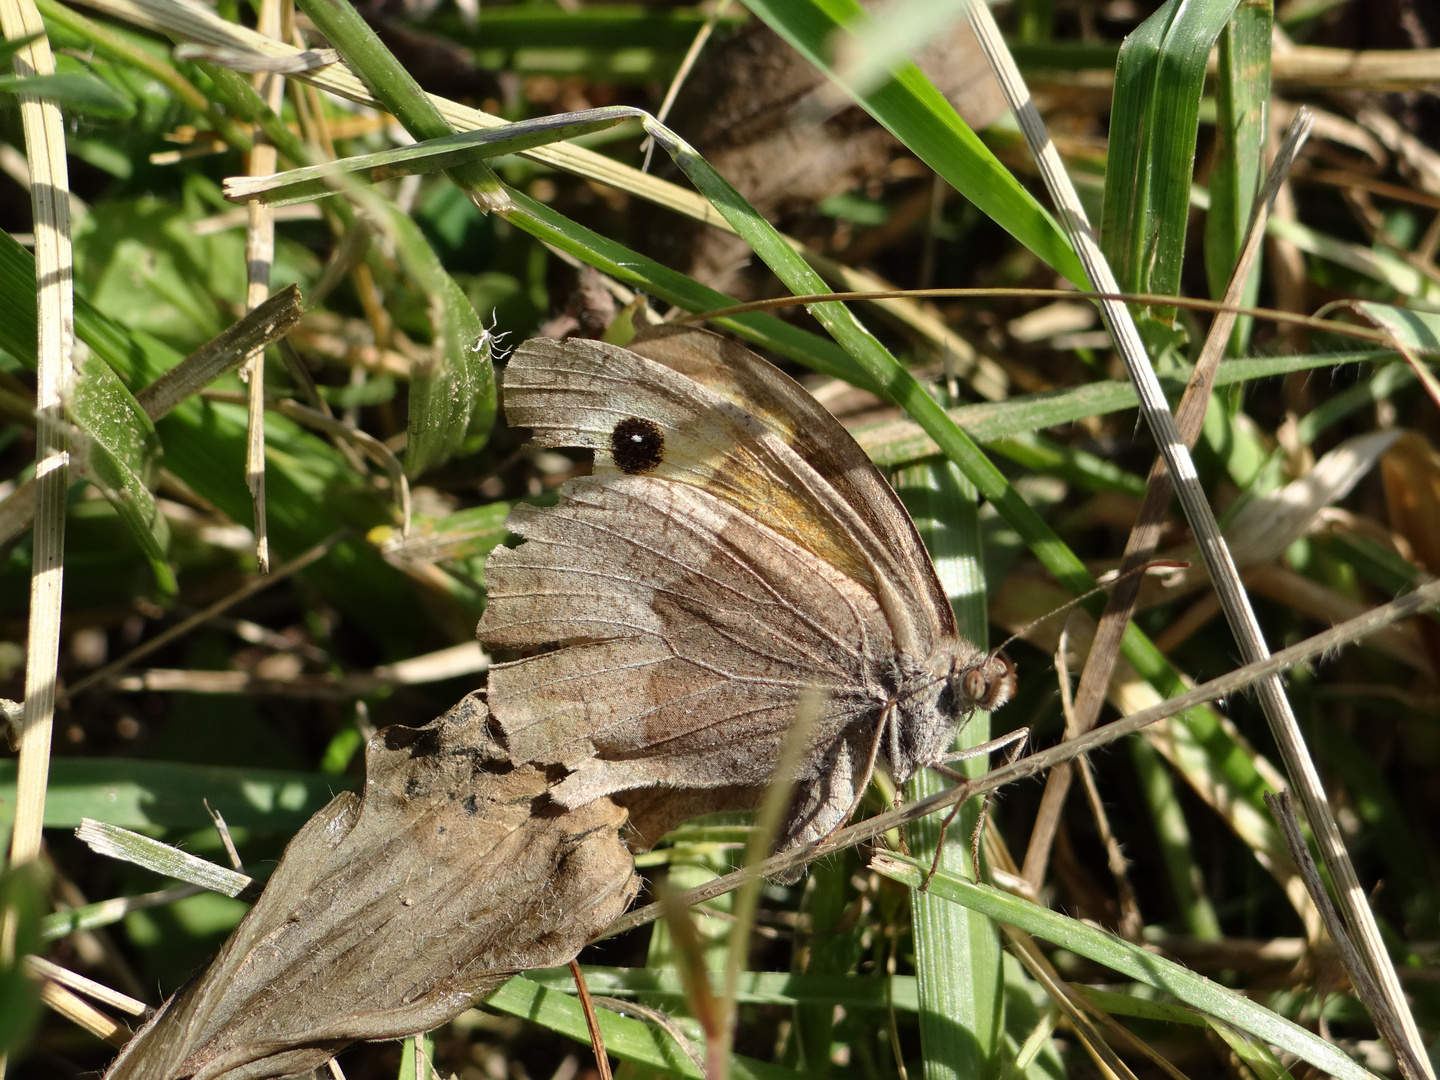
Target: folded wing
(692, 634)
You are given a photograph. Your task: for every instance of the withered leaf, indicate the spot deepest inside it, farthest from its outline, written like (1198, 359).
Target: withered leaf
(391, 911)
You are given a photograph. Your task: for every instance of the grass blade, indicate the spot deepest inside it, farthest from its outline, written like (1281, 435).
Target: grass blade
(53, 285)
(957, 952)
(1151, 158)
(118, 452)
(629, 1040)
(910, 107)
(1242, 93)
(137, 794)
(1134, 962)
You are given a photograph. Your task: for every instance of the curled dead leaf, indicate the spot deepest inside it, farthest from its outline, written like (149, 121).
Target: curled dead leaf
(1411, 472)
(391, 911)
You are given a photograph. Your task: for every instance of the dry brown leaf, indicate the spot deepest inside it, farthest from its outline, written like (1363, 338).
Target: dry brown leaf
(392, 910)
(1411, 476)
(1411, 473)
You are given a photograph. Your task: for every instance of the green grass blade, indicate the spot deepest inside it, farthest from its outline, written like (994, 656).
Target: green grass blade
(1417, 330)
(452, 401)
(917, 114)
(1242, 92)
(396, 89)
(1177, 846)
(830, 948)
(1085, 470)
(658, 280)
(319, 181)
(627, 1039)
(957, 951)
(75, 90)
(869, 992)
(139, 794)
(23, 897)
(1375, 263)
(1134, 962)
(897, 442)
(879, 46)
(1151, 159)
(118, 451)
(1256, 1055)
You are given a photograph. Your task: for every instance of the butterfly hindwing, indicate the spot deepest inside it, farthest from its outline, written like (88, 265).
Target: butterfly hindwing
(693, 633)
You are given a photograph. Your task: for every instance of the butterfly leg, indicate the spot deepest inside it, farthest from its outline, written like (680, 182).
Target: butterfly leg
(1016, 740)
(862, 777)
(887, 723)
(821, 808)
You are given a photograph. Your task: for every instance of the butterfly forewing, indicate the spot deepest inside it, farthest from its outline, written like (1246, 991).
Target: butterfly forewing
(783, 405)
(577, 393)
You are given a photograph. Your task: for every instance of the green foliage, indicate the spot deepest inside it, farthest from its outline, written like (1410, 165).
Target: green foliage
(115, 447)
(416, 294)
(22, 899)
(73, 89)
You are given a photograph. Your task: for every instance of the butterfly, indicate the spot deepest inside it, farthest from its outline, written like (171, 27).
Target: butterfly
(733, 554)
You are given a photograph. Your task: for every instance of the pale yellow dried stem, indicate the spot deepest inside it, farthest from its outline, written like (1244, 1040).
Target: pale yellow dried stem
(49, 192)
(39, 968)
(259, 258)
(76, 1009)
(1106, 1060)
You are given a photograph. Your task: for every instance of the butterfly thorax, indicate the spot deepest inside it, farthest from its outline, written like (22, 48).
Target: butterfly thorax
(936, 697)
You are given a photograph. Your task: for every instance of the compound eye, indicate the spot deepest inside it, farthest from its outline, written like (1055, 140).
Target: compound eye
(992, 684)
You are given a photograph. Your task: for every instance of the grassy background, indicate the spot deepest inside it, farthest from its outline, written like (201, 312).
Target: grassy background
(848, 974)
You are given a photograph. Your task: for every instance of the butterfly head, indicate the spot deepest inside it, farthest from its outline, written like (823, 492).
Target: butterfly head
(943, 699)
(986, 682)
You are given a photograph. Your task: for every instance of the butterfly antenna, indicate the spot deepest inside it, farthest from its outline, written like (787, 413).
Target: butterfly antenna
(1104, 586)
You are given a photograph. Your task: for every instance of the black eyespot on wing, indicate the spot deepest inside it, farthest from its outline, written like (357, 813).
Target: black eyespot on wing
(637, 445)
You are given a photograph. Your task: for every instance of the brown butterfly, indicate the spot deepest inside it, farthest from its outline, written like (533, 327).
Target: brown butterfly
(733, 551)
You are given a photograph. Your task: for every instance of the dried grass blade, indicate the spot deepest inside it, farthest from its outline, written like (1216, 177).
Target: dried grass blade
(263, 324)
(132, 847)
(49, 194)
(1144, 538)
(76, 1009)
(40, 968)
(259, 258)
(1101, 1053)
(1286, 730)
